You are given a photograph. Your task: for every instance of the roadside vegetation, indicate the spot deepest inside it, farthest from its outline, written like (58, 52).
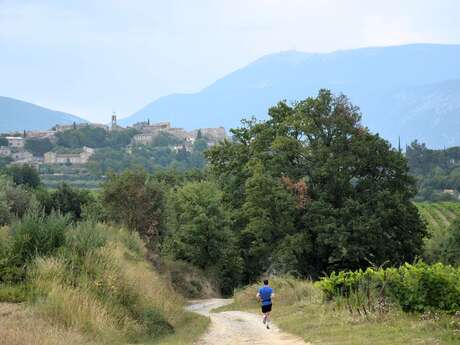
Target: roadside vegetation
(89, 280)
(302, 308)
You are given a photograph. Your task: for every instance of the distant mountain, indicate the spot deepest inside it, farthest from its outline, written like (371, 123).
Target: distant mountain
(402, 91)
(16, 115)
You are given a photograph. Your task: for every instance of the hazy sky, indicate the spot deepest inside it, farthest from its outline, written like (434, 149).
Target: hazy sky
(90, 57)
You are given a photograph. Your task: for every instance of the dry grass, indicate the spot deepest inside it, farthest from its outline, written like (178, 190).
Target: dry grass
(20, 325)
(111, 295)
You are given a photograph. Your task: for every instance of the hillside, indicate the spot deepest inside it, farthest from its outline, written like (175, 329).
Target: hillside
(16, 115)
(402, 91)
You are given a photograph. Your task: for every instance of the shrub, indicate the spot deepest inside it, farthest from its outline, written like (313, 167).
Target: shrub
(38, 235)
(415, 288)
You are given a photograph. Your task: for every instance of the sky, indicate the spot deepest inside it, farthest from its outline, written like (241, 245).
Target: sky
(93, 57)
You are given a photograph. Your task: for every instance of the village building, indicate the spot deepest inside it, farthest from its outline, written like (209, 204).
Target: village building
(16, 142)
(143, 139)
(213, 134)
(5, 151)
(51, 135)
(22, 156)
(69, 158)
(149, 131)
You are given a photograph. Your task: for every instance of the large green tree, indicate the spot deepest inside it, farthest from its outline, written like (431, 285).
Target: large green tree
(352, 191)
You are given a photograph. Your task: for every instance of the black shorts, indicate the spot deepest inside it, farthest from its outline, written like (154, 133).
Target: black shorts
(266, 308)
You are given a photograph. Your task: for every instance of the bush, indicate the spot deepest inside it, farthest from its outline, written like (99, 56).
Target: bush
(415, 288)
(37, 235)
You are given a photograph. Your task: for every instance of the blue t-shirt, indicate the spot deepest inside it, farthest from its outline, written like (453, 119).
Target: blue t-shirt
(266, 295)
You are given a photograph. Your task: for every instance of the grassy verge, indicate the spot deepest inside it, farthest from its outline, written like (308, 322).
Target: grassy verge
(93, 286)
(299, 309)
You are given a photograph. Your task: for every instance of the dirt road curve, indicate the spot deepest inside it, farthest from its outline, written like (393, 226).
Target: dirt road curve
(237, 327)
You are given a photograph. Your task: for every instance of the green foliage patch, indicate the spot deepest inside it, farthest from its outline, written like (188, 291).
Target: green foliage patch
(415, 288)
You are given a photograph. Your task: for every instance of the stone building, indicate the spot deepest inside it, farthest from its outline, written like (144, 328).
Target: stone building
(51, 135)
(69, 158)
(5, 151)
(16, 142)
(22, 156)
(213, 134)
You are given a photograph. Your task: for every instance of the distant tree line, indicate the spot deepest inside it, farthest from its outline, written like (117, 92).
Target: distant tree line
(435, 171)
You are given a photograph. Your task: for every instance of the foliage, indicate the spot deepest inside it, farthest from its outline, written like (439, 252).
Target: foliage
(451, 244)
(67, 200)
(94, 137)
(200, 234)
(350, 193)
(4, 161)
(3, 141)
(165, 139)
(79, 137)
(418, 287)
(38, 147)
(436, 170)
(151, 158)
(24, 175)
(137, 201)
(34, 235)
(15, 200)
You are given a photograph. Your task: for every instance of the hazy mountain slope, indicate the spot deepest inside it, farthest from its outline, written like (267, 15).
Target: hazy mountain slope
(371, 77)
(16, 115)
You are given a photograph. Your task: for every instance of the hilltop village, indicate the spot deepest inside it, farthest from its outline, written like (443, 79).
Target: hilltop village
(43, 147)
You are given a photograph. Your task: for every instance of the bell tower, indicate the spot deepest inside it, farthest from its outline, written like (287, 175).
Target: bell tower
(114, 120)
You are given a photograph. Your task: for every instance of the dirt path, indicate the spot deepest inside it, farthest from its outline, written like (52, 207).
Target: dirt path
(238, 327)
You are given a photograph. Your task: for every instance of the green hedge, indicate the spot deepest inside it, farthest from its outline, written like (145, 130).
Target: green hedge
(416, 288)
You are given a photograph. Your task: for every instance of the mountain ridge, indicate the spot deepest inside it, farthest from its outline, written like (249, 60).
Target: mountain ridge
(19, 115)
(366, 75)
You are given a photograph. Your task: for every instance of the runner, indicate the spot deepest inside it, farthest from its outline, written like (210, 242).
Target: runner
(265, 296)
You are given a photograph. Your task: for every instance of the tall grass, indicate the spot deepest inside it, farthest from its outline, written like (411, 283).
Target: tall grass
(93, 280)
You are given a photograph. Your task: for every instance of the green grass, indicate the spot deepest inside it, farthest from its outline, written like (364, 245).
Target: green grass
(299, 308)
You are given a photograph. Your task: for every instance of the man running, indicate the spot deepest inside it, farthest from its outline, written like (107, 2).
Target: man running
(265, 296)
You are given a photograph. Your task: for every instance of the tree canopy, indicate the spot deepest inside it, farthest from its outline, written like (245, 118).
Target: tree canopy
(315, 191)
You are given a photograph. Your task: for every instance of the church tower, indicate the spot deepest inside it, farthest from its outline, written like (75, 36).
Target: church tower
(114, 120)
